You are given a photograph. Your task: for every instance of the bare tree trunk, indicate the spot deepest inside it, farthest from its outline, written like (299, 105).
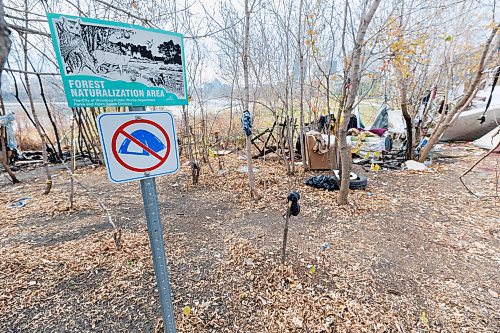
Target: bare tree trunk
(403, 95)
(345, 165)
(195, 170)
(230, 115)
(341, 104)
(5, 44)
(43, 138)
(444, 109)
(5, 164)
(462, 103)
(246, 99)
(92, 135)
(432, 95)
(301, 64)
(5, 41)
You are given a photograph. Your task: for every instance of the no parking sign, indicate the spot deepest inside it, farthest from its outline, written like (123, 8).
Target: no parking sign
(138, 145)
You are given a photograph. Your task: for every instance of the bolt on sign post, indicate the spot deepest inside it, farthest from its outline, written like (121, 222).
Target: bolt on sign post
(105, 63)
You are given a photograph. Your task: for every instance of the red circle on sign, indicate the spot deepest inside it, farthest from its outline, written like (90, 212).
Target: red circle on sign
(121, 130)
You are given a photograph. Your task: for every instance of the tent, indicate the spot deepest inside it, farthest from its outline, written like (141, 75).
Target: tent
(392, 120)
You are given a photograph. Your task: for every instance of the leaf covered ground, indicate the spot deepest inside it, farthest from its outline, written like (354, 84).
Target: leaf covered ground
(415, 252)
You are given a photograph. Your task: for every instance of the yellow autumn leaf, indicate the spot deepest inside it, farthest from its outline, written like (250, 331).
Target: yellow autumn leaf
(423, 318)
(312, 269)
(186, 310)
(491, 25)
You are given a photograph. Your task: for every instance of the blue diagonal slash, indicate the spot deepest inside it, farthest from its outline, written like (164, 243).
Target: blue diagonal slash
(147, 138)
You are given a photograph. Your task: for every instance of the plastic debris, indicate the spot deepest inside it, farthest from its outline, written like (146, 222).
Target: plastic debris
(244, 169)
(325, 246)
(19, 203)
(329, 183)
(414, 165)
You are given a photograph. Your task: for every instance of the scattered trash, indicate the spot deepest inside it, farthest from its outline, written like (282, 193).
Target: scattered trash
(19, 203)
(223, 152)
(248, 261)
(414, 165)
(329, 183)
(244, 169)
(297, 322)
(325, 246)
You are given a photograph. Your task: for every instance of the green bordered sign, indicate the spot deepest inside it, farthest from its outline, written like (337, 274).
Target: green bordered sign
(105, 63)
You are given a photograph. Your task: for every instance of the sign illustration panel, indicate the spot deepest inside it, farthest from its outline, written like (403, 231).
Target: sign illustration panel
(106, 63)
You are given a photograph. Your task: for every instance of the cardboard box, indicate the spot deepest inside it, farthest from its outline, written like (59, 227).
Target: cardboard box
(317, 161)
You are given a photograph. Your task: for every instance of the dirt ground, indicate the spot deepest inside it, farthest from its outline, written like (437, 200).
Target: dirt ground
(415, 252)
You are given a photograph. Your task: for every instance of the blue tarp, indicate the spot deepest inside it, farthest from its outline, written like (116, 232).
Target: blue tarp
(7, 121)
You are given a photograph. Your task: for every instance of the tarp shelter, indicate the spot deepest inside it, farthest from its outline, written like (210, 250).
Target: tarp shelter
(391, 120)
(382, 118)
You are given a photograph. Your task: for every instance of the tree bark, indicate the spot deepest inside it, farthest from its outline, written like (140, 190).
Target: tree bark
(301, 65)
(246, 99)
(345, 160)
(462, 103)
(403, 95)
(49, 114)
(195, 170)
(43, 139)
(5, 41)
(5, 44)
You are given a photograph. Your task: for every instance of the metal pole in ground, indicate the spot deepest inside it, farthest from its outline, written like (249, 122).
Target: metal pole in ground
(155, 231)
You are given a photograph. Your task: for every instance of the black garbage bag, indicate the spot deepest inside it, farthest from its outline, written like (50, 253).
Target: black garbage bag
(329, 183)
(324, 182)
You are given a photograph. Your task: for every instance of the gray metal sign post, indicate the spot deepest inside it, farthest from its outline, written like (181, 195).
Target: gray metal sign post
(155, 231)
